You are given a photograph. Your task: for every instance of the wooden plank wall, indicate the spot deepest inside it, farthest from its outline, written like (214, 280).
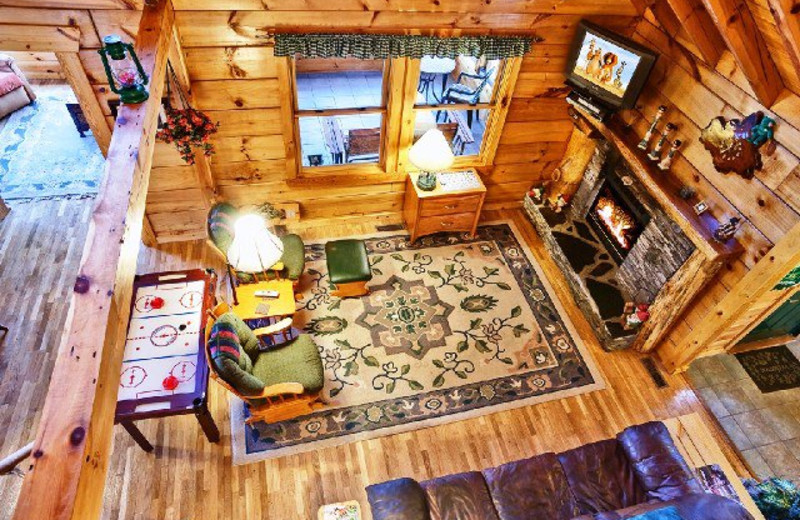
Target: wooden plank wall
(234, 78)
(37, 65)
(769, 204)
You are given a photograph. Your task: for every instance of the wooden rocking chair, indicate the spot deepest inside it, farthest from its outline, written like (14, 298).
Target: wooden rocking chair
(280, 400)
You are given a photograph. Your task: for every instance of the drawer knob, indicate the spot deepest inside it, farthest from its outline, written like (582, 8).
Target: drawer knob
(446, 223)
(450, 206)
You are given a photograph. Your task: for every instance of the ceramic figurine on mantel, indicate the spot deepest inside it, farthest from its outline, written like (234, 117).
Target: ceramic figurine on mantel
(560, 203)
(655, 153)
(635, 315)
(666, 162)
(652, 130)
(537, 192)
(726, 231)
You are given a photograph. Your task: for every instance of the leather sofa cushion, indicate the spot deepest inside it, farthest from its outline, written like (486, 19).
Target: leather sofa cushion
(657, 463)
(531, 489)
(697, 506)
(601, 477)
(459, 497)
(400, 499)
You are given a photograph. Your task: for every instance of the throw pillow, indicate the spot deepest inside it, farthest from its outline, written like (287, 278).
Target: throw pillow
(666, 513)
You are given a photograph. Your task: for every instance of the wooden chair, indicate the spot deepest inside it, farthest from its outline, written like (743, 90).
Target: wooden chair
(363, 144)
(275, 403)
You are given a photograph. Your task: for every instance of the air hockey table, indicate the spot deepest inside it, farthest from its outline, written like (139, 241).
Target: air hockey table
(164, 370)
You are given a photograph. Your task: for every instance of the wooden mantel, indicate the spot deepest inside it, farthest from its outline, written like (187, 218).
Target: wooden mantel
(709, 255)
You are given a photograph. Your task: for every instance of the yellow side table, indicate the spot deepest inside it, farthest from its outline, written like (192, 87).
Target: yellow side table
(283, 305)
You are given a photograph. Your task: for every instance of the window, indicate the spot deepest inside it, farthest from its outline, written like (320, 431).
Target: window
(340, 106)
(353, 116)
(457, 96)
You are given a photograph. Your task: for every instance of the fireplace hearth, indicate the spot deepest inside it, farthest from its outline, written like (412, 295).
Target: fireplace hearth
(617, 218)
(613, 242)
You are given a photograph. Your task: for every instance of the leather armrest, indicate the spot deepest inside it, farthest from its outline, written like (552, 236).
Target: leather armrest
(658, 465)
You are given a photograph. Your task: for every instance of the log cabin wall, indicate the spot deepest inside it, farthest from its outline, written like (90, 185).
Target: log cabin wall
(37, 65)
(768, 204)
(234, 79)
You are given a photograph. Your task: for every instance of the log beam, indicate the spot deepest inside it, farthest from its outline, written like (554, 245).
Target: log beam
(692, 15)
(73, 441)
(76, 77)
(787, 20)
(202, 165)
(781, 259)
(742, 36)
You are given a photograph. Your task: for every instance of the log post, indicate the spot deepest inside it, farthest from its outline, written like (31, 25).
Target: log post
(568, 174)
(73, 442)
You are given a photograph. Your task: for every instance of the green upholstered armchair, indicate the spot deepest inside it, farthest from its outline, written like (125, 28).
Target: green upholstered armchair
(277, 384)
(221, 219)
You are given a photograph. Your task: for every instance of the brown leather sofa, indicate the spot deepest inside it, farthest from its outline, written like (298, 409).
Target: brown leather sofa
(639, 471)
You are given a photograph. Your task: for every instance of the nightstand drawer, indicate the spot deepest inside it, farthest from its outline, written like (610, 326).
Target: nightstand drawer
(456, 222)
(449, 205)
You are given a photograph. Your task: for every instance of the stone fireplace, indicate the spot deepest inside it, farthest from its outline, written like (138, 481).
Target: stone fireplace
(614, 243)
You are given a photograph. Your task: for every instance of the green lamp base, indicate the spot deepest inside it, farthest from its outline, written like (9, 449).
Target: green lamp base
(426, 181)
(133, 95)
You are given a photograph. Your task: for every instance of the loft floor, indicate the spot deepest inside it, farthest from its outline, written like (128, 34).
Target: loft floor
(186, 477)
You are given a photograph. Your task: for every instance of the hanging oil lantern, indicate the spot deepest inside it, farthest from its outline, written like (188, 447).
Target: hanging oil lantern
(126, 76)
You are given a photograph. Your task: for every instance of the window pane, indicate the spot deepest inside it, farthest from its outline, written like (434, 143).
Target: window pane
(340, 139)
(465, 79)
(338, 83)
(463, 129)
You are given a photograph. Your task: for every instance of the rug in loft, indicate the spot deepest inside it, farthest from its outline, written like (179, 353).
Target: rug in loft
(452, 328)
(42, 155)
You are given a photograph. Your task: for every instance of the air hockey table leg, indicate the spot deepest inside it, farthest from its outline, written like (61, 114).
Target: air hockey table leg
(137, 435)
(206, 421)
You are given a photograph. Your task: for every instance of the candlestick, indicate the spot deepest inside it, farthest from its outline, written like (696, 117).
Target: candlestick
(666, 162)
(652, 130)
(655, 153)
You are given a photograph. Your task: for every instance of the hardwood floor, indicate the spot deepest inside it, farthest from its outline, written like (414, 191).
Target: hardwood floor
(186, 477)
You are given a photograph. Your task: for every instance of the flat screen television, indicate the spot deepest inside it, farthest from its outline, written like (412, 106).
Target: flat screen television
(607, 68)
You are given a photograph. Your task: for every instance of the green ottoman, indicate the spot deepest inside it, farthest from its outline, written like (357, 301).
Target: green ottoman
(348, 267)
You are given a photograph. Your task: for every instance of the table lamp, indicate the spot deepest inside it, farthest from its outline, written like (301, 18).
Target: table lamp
(431, 153)
(254, 248)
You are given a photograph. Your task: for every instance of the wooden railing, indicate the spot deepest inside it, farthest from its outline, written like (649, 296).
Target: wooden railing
(7, 464)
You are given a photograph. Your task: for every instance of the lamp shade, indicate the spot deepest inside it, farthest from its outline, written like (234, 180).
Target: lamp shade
(254, 248)
(431, 152)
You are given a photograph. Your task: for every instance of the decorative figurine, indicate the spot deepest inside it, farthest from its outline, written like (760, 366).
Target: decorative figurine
(666, 162)
(560, 203)
(764, 133)
(701, 207)
(734, 145)
(637, 315)
(655, 153)
(686, 192)
(536, 193)
(650, 131)
(726, 231)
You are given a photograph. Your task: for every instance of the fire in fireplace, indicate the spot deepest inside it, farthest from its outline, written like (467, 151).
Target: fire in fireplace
(617, 217)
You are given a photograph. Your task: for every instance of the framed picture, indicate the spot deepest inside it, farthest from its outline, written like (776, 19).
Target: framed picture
(701, 207)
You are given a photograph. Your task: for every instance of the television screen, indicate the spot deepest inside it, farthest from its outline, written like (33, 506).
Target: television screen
(606, 64)
(608, 67)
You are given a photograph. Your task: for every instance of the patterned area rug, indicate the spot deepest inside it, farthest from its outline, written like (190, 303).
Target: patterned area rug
(41, 153)
(452, 328)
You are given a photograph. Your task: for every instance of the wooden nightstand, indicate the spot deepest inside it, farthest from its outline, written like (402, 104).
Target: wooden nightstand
(443, 209)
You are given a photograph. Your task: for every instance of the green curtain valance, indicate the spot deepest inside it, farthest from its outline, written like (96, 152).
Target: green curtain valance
(383, 46)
